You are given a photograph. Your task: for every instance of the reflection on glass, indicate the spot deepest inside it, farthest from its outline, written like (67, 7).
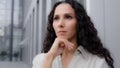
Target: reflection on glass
(5, 31)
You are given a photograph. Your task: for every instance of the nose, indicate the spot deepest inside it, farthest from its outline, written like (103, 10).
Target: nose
(61, 23)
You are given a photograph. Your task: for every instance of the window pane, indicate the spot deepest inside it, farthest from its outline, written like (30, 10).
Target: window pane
(10, 34)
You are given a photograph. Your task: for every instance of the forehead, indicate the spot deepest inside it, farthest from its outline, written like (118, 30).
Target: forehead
(64, 8)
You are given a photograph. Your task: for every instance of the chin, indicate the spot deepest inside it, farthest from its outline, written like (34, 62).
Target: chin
(62, 37)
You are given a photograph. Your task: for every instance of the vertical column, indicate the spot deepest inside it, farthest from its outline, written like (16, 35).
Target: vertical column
(42, 23)
(11, 35)
(37, 26)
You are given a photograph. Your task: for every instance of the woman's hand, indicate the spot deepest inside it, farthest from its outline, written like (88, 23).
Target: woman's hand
(59, 46)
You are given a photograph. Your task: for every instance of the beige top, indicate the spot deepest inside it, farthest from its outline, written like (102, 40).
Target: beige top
(81, 59)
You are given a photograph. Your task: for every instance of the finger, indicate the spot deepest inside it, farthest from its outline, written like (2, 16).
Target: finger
(70, 47)
(62, 45)
(68, 44)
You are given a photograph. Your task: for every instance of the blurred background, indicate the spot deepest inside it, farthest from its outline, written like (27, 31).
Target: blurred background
(23, 27)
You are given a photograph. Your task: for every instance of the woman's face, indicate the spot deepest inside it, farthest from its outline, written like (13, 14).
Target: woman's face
(64, 22)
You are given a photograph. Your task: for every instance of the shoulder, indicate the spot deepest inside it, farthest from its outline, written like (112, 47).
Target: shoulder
(100, 62)
(95, 60)
(38, 59)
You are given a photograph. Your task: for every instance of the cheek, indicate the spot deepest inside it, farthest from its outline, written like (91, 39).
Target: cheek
(73, 26)
(54, 26)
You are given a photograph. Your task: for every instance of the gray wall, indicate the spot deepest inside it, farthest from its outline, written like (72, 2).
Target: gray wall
(27, 5)
(106, 17)
(112, 23)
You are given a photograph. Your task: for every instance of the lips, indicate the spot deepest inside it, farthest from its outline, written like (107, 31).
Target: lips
(61, 32)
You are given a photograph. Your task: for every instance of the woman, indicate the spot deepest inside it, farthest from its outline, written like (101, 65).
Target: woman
(71, 40)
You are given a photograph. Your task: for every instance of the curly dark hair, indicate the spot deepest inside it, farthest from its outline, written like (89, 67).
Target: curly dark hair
(87, 35)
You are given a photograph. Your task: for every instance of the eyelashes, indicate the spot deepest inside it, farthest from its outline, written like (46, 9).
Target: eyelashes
(67, 16)
(56, 18)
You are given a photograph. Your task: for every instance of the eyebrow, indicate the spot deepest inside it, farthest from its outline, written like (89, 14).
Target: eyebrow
(64, 14)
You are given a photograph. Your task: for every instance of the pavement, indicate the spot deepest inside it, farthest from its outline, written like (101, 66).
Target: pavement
(14, 65)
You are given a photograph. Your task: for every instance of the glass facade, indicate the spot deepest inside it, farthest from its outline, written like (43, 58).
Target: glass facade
(5, 18)
(10, 30)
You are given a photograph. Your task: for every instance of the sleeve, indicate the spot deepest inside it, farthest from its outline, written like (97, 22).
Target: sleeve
(37, 61)
(101, 63)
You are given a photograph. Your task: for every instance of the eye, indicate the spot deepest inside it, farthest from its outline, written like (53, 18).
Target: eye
(68, 16)
(56, 18)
